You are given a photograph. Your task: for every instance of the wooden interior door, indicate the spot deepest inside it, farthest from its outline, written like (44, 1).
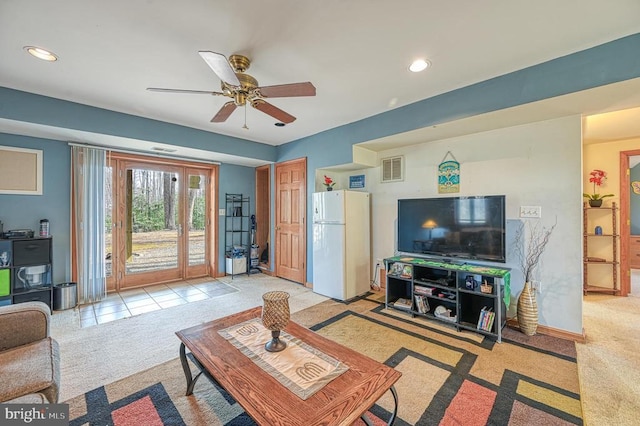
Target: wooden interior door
(290, 233)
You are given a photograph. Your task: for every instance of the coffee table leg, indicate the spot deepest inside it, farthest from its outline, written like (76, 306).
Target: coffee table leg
(392, 419)
(191, 381)
(395, 405)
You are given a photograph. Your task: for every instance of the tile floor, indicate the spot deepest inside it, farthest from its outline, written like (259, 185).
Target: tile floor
(146, 299)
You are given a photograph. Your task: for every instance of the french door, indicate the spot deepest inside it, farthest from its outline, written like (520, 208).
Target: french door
(158, 221)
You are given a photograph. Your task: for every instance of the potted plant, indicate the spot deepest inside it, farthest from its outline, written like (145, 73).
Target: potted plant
(328, 182)
(597, 177)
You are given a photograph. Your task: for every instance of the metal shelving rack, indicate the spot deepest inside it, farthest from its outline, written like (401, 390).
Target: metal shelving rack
(236, 234)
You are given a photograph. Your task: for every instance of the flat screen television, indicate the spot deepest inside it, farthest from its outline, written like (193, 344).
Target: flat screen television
(453, 227)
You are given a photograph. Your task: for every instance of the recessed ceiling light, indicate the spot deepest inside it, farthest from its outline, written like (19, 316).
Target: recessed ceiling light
(419, 65)
(279, 124)
(41, 53)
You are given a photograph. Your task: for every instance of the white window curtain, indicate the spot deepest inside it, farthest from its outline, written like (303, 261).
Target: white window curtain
(88, 208)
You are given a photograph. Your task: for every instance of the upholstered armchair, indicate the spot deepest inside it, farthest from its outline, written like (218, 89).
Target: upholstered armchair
(29, 356)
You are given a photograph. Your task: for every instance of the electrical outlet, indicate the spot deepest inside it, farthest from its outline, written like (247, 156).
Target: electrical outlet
(531, 211)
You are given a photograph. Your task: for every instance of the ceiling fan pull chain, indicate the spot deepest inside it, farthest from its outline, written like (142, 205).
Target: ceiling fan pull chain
(245, 117)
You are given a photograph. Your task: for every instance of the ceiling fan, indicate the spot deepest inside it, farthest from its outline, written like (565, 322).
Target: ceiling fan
(244, 89)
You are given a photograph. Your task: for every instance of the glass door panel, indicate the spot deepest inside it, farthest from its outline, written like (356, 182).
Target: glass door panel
(153, 230)
(109, 227)
(196, 222)
(157, 220)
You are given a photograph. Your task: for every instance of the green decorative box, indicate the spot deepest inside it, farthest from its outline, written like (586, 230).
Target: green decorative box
(5, 282)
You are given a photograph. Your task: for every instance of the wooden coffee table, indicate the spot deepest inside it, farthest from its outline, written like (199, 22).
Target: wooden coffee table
(341, 402)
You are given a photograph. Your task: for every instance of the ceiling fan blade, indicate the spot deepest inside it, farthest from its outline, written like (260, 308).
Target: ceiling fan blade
(220, 65)
(224, 112)
(288, 90)
(199, 92)
(273, 111)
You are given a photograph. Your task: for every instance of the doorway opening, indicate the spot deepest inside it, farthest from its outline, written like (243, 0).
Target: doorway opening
(263, 217)
(629, 228)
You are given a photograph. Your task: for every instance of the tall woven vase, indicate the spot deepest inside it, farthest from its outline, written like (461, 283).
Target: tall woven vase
(528, 310)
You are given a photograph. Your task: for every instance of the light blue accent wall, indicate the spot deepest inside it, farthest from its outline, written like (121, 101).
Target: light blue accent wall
(236, 180)
(31, 108)
(25, 211)
(605, 64)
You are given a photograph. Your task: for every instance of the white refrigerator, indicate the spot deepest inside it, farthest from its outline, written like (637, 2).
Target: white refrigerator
(341, 244)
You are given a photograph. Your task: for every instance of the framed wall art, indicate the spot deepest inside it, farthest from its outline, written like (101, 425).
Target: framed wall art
(20, 171)
(448, 175)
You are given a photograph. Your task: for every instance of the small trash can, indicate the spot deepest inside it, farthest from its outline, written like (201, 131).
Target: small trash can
(65, 296)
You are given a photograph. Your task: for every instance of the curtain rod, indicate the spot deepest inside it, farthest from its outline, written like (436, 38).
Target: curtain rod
(150, 154)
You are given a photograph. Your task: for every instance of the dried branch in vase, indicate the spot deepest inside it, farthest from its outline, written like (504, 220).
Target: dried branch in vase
(536, 242)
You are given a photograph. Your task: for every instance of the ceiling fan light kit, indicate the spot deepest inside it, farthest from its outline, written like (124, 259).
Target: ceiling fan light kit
(244, 88)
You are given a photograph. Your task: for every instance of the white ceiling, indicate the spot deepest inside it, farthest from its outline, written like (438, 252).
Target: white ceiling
(355, 52)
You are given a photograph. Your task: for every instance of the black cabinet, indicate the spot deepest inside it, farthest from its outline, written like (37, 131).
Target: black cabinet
(26, 271)
(471, 297)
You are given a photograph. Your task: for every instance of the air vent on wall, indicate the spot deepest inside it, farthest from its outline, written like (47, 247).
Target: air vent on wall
(158, 148)
(392, 169)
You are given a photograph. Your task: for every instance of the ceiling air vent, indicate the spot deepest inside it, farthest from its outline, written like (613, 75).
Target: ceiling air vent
(392, 169)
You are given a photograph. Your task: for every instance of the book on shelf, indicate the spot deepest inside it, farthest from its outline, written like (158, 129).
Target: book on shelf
(428, 291)
(402, 304)
(422, 304)
(492, 316)
(481, 317)
(485, 319)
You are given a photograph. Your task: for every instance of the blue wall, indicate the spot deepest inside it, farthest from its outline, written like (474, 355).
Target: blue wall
(30, 108)
(234, 180)
(601, 65)
(25, 211)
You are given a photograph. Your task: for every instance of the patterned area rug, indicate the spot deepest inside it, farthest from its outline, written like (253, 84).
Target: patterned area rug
(449, 377)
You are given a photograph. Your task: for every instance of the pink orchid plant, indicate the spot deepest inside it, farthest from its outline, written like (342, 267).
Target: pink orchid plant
(597, 177)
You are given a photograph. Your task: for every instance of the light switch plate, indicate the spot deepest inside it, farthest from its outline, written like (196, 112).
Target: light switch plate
(531, 211)
(221, 212)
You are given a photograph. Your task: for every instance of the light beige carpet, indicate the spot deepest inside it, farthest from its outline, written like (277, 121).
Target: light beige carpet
(98, 355)
(609, 362)
(449, 377)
